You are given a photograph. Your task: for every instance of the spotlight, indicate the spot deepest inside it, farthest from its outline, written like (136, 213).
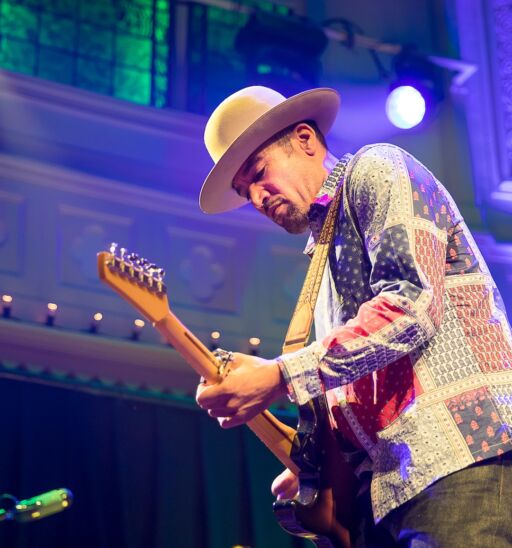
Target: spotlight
(6, 306)
(214, 340)
(254, 343)
(281, 51)
(95, 323)
(138, 325)
(405, 107)
(50, 314)
(416, 91)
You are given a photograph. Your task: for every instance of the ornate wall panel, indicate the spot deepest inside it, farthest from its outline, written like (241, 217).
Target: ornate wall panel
(500, 27)
(12, 233)
(203, 270)
(485, 34)
(80, 234)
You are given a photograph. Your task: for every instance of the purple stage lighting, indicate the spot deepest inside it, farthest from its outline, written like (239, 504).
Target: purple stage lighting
(416, 91)
(405, 107)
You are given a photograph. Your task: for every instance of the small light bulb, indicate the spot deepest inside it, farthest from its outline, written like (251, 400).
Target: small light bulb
(214, 340)
(137, 328)
(254, 343)
(95, 323)
(50, 316)
(6, 306)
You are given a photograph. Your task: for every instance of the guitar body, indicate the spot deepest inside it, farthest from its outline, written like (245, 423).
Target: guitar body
(323, 510)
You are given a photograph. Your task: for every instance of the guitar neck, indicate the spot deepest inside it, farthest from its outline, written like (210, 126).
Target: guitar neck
(277, 436)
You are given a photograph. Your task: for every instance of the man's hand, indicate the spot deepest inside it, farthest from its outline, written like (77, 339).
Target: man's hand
(250, 387)
(286, 485)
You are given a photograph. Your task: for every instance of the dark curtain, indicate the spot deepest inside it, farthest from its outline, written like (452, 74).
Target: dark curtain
(144, 474)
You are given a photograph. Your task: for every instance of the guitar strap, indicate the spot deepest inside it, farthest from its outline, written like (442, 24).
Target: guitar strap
(302, 318)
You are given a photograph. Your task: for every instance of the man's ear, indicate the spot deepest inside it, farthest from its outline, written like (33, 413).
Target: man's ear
(306, 138)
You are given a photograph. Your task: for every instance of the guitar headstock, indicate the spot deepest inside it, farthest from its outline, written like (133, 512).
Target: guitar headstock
(137, 280)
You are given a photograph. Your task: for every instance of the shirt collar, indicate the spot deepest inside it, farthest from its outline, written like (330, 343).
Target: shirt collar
(318, 210)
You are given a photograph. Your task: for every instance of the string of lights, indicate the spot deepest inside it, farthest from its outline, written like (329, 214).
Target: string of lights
(98, 317)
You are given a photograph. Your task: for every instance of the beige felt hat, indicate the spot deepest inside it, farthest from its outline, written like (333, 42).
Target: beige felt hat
(243, 122)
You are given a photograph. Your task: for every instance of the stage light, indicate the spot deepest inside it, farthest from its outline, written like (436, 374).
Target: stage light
(405, 107)
(138, 325)
(416, 92)
(95, 323)
(281, 52)
(254, 343)
(6, 306)
(214, 340)
(50, 314)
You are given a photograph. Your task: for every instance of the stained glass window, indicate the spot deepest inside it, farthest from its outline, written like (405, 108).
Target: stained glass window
(126, 48)
(116, 47)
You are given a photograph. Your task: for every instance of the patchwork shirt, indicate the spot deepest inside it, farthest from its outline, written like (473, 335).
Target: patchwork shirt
(412, 338)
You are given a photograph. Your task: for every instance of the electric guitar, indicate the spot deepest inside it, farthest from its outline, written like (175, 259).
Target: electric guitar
(322, 510)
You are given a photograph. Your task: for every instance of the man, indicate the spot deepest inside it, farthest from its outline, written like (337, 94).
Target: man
(411, 334)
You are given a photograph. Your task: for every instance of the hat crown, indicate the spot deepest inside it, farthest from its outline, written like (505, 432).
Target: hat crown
(235, 115)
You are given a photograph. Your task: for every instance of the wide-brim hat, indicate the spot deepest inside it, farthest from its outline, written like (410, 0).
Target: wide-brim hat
(243, 122)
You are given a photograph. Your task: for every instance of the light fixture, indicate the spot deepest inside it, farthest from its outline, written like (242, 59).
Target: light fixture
(50, 314)
(214, 340)
(254, 343)
(405, 107)
(95, 322)
(138, 325)
(281, 52)
(6, 306)
(416, 91)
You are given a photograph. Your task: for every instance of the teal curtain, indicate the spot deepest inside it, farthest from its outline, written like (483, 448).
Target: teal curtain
(144, 474)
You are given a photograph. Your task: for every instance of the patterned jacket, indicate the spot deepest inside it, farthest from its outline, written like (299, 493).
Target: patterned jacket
(412, 335)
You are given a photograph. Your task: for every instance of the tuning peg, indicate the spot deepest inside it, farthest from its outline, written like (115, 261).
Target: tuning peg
(113, 248)
(143, 263)
(159, 273)
(133, 257)
(122, 252)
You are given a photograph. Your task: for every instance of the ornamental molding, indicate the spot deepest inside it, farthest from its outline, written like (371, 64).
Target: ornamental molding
(485, 39)
(31, 172)
(83, 103)
(501, 25)
(74, 355)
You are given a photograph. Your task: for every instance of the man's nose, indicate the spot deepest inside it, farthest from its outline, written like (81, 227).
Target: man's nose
(258, 195)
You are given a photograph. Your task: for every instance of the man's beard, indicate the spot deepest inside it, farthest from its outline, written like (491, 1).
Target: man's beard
(294, 220)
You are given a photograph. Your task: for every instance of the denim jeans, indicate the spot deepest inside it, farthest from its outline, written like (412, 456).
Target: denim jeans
(471, 508)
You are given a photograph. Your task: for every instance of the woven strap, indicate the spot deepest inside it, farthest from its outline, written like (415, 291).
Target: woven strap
(302, 318)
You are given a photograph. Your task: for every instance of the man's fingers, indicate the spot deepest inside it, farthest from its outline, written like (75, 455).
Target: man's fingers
(285, 486)
(230, 422)
(221, 412)
(210, 396)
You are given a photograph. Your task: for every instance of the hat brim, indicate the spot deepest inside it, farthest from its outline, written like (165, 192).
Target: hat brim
(320, 105)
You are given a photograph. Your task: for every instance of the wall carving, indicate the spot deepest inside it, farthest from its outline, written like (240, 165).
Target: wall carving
(202, 269)
(202, 273)
(502, 27)
(81, 234)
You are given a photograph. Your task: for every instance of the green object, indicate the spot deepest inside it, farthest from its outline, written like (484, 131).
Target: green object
(43, 505)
